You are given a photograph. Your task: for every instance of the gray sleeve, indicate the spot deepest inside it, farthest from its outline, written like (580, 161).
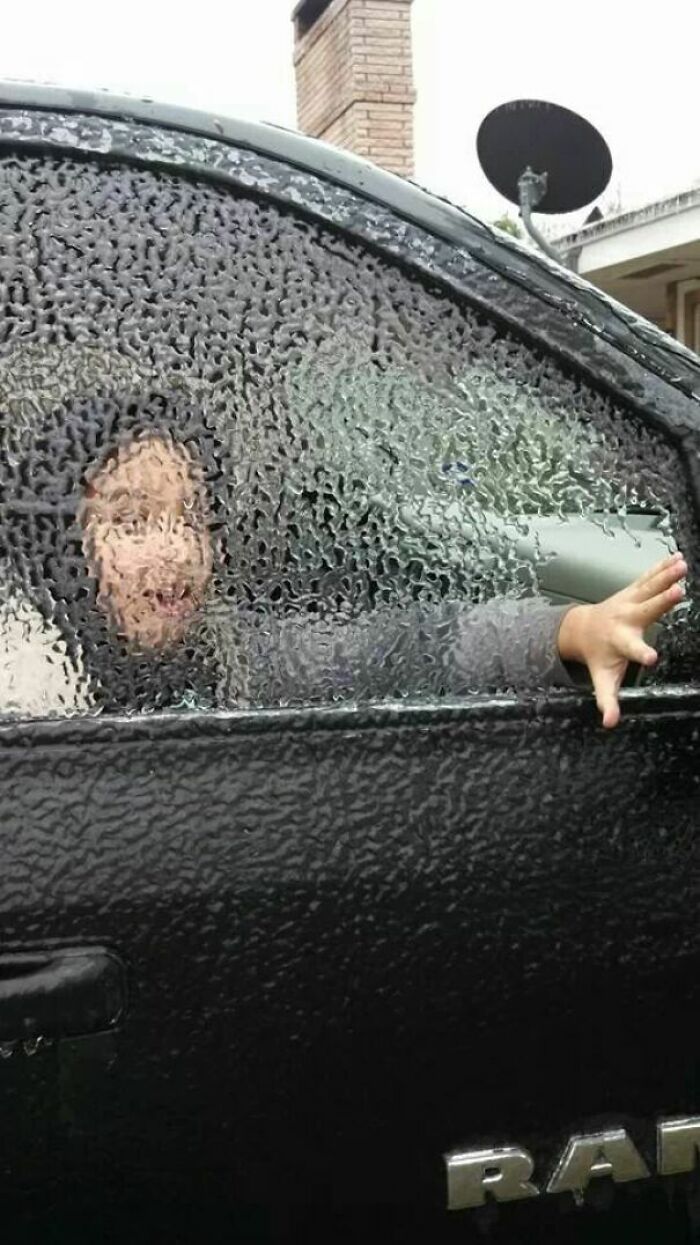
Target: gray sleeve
(504, 643)
(448, 649)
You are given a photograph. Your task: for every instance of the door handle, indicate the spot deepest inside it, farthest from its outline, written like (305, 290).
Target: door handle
(63, 992)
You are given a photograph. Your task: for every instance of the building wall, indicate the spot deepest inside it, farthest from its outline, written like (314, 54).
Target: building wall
(355, 79)
(649, 260)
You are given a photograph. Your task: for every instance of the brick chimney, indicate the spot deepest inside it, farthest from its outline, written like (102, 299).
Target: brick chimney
(355, 79)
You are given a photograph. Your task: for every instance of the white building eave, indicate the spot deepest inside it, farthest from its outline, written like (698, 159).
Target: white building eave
(654, 229)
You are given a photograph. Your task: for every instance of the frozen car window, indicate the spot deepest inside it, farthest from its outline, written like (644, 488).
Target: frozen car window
(232, 438)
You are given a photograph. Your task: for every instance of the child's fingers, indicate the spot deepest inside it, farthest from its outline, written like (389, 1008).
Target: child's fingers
(654, 570)
(644, 613)
(659, 577)
(633, 647)
(606, 686)
(611, 714)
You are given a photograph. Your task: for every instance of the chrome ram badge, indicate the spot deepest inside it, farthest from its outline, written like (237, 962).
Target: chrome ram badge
(505, 1173)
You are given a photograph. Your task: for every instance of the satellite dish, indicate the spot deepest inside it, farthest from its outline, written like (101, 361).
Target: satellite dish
(543, 157)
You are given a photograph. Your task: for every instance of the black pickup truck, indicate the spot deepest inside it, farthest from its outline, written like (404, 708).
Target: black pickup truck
(352, 970)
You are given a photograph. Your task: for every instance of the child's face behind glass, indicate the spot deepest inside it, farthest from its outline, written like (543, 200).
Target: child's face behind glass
(147, 542)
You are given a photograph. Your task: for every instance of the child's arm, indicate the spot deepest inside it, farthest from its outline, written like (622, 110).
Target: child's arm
(608, 636)
(454, 648)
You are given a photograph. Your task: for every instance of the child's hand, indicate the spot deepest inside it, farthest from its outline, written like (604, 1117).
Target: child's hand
(607, 636)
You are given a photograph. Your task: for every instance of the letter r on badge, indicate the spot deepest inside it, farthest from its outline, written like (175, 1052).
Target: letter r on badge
(503, 1173)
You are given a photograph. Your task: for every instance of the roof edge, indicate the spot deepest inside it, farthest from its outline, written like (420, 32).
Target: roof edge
(659, 209)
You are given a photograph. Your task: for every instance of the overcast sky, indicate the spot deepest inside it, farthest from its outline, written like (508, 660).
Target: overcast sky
(630, 68)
